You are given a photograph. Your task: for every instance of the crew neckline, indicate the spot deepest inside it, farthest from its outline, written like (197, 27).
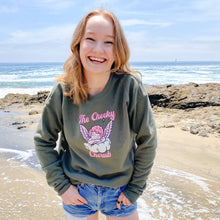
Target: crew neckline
(104, 91)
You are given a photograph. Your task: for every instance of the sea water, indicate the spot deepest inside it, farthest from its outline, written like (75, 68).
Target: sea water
(29, 78)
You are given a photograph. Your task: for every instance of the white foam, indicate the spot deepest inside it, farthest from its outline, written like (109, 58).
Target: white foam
(39, 73)
(6, 78)
(143, 210)
(14, 80)
(30, 91)
(22, 155)
(177, 74)
(200, 181)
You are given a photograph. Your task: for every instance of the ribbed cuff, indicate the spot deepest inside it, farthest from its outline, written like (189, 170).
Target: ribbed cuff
(131, 196)
(63, 190)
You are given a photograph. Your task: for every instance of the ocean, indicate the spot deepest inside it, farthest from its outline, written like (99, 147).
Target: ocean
(29, 78)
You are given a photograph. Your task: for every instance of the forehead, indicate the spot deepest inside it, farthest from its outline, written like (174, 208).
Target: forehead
(99, 24)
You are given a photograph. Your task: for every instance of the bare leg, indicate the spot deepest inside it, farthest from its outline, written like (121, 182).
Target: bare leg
(133, 216)
(71, 217)
(93, 217)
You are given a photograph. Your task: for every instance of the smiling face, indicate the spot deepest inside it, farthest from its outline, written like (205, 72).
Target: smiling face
(97, 46)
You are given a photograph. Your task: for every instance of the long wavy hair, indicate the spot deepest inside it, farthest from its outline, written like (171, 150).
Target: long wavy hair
(73, 77)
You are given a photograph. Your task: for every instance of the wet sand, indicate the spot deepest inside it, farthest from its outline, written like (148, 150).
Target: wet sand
(25, 194)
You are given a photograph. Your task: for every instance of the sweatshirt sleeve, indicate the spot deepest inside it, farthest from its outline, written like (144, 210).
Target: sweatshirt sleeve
(143, 124)
(45, 141)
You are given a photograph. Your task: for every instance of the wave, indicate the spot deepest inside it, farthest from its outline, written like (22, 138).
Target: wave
(30, 91)
(22, 155)
(33, 77)
(14, 80)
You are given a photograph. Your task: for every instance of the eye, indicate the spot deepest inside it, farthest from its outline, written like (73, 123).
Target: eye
(90, 39)
(109, 42)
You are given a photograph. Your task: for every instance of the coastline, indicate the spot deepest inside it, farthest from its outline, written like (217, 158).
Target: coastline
(187, 160)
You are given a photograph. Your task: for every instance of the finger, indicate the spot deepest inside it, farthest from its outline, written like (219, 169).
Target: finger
(82, 201)
(72, 203)
(120, 198)
(126, 202)
(119, 201)
(118, 204)
(77, 202)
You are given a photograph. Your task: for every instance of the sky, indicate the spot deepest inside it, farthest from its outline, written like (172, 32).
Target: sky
(156, 30)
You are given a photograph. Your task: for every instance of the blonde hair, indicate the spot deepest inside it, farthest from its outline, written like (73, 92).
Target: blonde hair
(73, 76)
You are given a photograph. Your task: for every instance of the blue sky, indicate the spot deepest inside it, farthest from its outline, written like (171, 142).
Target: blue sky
(156, 30)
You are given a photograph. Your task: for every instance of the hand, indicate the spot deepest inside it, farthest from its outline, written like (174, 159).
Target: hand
(72, 197)
(122, 199)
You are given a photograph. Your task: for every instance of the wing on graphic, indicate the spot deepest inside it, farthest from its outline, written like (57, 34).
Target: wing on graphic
(84, 132)
(108, 129)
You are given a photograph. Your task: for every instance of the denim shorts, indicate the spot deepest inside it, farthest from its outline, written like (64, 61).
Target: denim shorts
(100, 198)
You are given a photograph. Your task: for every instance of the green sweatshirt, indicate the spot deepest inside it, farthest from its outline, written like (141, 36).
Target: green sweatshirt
(109, 140)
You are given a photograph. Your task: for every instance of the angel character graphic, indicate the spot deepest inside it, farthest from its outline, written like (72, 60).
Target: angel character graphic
(97, 139)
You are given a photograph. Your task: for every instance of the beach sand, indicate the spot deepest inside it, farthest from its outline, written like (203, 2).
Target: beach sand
(184, 183)
(25, 194)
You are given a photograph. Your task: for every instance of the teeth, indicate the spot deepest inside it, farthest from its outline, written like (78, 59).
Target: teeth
(97, 59)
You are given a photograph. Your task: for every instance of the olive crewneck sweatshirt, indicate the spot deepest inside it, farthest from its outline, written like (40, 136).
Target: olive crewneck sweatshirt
(110, 140)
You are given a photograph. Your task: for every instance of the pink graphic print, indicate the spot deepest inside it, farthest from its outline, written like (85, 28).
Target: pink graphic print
(97, 139)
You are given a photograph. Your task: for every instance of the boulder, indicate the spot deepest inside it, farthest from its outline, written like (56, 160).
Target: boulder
(185, 96)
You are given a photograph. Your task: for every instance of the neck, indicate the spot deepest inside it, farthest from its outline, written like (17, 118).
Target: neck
(97, 84)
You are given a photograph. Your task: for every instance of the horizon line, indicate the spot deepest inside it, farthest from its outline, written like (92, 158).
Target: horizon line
(155, 61)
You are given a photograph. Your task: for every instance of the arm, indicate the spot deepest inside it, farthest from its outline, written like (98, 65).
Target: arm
(45, 141)
(143, 124)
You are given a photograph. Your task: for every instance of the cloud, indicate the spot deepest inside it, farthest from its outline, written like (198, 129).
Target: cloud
(144, 48)
(55, 5)
(8, 7)
(132, 22)
(51, 44)
(104, 3)
(198, 11)
(49, 34)
(5, 9)
(210, 6)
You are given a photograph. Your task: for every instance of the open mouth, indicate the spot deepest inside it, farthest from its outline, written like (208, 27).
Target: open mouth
(96, 59)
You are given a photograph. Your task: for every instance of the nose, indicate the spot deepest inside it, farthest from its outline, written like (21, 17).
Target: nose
(98, 47)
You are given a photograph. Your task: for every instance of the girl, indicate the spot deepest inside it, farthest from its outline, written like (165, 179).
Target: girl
(107, 132)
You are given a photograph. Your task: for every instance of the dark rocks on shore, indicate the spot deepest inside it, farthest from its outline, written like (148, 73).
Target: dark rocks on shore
(20, 125)
(11, 99)
(39, 98)
(26, 99)
(187, 99)
(194, 129)
(185, 96)
(203, 134)
(34, 112)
